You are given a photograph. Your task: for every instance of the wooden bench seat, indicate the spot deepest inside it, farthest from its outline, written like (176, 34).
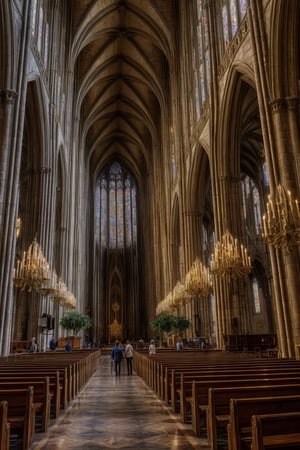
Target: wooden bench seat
(242, 409)
(20, 413)
(184, 394)
(218, 412)
(173, 376)
(28, 371)
(4, 426)
(200, 395)
(41, 397)
(276, 431)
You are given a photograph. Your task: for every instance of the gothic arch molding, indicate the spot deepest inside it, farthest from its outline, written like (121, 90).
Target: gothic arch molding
(7, 63)
(285, 66)
(239, 81)
(175, 240)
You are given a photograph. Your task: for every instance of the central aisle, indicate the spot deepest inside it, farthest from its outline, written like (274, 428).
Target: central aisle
(117, 413)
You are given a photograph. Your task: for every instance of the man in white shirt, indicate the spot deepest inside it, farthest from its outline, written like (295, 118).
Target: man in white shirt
(129, 357)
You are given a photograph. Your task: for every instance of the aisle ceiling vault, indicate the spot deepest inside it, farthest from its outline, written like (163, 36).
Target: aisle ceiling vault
(121, 56)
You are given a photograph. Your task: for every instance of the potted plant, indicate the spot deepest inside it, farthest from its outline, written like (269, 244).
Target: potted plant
(167, 323)
(181, 324)
(74, 321)
(164, 323)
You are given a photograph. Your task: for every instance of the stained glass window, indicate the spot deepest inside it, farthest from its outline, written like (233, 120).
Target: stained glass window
(225, 25)
(233, 17)
(173, 160)
(255, 289)
(34, 6)
(266, 175)
(40, 28)
(251, 204)
(233, 12)
(103, 211)
(115, 208)
(243, 7)
(201, 58)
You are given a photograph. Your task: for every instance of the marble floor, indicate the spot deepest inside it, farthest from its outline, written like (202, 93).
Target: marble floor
(117, 413)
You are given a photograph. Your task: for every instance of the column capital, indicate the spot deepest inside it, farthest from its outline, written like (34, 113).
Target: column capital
(193, 213)
(7, 96)
(230, 179)
(41, 170)
(292, 102)
(278, 105)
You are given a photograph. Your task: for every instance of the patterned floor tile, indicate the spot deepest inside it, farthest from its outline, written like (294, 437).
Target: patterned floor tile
(117, 413)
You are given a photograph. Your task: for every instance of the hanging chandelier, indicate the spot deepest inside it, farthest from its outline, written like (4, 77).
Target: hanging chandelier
(32, 272)
(179, 294)
(198, 279)
(230, 259)
(281, 223)
(61, 294)
(165, 305)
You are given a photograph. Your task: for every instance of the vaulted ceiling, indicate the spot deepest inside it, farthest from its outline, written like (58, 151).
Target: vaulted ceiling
(121, 55)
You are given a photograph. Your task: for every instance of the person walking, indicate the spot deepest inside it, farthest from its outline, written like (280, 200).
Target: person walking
(152, 348)
(117, 356)
(129, 356)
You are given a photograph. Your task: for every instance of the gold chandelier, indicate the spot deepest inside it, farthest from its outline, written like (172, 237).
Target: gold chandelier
(179, 294)
(281, 224)
(198, 279)
(165, 305)
(32, 272)
(230, 259)
(61, 294)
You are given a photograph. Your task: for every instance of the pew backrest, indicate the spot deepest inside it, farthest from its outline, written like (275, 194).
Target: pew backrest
(279, 430)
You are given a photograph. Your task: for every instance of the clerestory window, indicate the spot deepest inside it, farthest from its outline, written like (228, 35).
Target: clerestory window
(115, 208)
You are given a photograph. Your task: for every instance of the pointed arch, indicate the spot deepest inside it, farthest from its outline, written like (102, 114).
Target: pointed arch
(7, 44)
(175, 240)
(285, 45)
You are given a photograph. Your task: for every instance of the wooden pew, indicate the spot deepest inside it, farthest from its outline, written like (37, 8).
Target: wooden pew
(28, 372)
(183, 393)
(54, 385)
(4, 427)
(276, 431)
(41, 397)
(200, 394)
(242, 409)
(173, 376)
(20, 413)
(219, 403)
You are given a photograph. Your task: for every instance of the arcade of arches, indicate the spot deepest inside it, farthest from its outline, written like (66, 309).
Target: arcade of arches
(133, 135)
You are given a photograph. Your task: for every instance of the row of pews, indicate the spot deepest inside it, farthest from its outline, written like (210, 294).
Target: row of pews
(35, 387)
(228, 397)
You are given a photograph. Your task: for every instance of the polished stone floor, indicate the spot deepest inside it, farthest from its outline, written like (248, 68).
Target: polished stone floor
(117, 413)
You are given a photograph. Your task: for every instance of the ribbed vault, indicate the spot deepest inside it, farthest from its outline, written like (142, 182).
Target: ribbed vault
(120, 56)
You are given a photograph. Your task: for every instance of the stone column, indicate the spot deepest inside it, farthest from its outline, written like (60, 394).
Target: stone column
(7, 215)
(287, 139)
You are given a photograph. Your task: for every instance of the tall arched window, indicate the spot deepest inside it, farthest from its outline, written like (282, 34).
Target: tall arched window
(115, 205)
(233, 12)
(40, 29)
(256, 296)
(251, 204)
(200, 61)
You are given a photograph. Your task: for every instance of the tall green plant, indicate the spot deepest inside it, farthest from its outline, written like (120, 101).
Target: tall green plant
(164, 323)
(181, 324)
(167, 323)
(75, 321)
